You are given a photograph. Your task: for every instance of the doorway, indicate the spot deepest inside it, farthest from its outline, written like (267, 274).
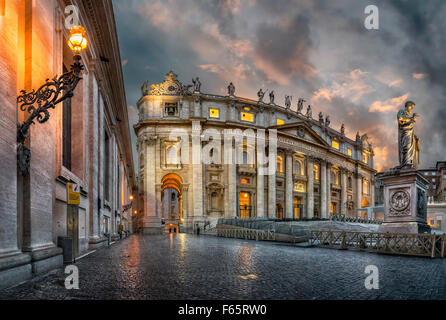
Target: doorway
(298, 207)
(245, 207)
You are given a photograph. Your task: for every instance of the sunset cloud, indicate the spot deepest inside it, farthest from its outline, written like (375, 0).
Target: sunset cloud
(317, 50)
(388, 105)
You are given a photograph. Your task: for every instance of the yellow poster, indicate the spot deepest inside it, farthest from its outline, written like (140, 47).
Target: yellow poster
(74, 194)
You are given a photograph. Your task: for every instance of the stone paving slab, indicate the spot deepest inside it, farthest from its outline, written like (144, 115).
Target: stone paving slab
(184, 266)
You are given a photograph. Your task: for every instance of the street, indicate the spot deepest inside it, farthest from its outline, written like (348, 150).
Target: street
(184, 266)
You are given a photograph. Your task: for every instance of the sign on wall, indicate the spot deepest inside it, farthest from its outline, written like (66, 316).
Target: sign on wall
(74, 193)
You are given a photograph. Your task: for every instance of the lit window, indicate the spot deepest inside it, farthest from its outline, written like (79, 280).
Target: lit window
(244, 180)
(247, 108)
(364, 157)
(335, 144)
(316, 172)
(349, 152)
(214, 113)
(245, 116)
(280, 122)
(279, 164)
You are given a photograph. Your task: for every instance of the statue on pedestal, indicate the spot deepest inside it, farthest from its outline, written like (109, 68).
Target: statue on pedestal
(327, 121)
(321, 118)
(309, 112)
(343, 130)
(145, 89)
(300, 105)
(231, 89)
(271, 97)
(408, 143)
(197, 84)
(288, 101)
(260, 94)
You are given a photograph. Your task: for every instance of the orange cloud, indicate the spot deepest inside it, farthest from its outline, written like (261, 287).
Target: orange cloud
(419, 76)
(388, 105)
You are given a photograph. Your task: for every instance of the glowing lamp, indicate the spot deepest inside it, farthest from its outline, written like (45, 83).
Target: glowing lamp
(77, 40)
(131, 197)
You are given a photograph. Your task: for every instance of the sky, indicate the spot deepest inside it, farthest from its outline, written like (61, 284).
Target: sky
(314, 49)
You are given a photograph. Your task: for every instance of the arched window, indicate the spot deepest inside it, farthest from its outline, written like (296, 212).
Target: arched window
(245, 157)
(279, 164)
(172, 155)
(297, 167)
(365, 186)
(350, 183)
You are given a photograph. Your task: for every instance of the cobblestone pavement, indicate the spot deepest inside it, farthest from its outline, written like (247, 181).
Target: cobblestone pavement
(186, 266)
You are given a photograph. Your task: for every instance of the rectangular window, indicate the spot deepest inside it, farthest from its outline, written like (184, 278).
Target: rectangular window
(349, 152)
(246, 116)
(244, 181)
(335, 144)
(280, 122)
(214, 113)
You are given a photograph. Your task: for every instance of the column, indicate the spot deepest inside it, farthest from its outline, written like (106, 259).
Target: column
(272, 169)
(231, 167)
(289, 185)
(328, 179)
(310, 188)
(323, 198)
(343, 191)
(260, 194)
(197, 172)
(152, 222)
(358, 195)
(272, 194)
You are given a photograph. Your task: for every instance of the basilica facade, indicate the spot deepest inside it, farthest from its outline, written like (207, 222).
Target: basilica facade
(317, 170)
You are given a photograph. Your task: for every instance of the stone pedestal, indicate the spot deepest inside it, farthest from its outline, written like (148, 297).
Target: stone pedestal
(405, 202)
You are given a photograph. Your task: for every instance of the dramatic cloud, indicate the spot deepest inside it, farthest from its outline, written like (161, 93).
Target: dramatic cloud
(315, 49)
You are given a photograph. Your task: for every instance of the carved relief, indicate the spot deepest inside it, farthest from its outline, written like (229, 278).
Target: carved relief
(421, 203)
(399, 203)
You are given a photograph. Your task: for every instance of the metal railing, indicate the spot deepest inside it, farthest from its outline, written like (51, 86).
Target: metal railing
(426, 245)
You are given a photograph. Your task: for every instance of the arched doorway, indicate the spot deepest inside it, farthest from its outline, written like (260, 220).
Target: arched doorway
(172, 202)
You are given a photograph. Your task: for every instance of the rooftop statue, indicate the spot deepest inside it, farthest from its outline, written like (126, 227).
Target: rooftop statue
(260, 94)
(300, 105)
(231, 90)
(145, 89)
(321, 118)
(271, 97)
(197, 84)
(327, 121)
(343, 130)
(288, 101)
(408, 143)
(309, 112)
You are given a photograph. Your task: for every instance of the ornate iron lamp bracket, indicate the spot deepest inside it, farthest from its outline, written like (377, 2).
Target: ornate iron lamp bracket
(37, 103)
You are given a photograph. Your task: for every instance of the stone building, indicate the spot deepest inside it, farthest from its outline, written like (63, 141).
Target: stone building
(85, 141)
(317, 171)
(436, 207)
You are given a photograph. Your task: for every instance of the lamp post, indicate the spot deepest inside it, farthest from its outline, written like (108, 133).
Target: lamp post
(37, 103)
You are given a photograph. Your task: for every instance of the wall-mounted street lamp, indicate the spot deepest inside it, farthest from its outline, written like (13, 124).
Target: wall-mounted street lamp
(54, 91)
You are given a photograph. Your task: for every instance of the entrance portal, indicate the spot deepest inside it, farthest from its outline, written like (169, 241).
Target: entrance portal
(298, 207)
(172, 202)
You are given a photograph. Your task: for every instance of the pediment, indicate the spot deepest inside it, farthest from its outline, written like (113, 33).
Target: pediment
(302, 131)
